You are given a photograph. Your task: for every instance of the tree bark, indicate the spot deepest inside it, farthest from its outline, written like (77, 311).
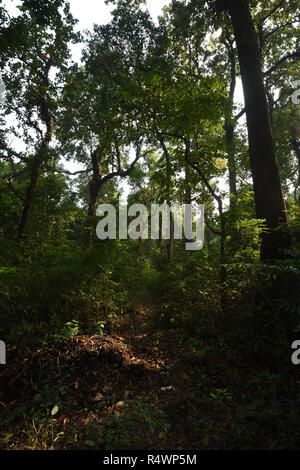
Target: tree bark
(188, 192)
(94, 185)
(35, 174)
(230, 123)
(188, 186)
(296, 147)
(94, 191)
(170, 245)
(229, 131)
(269, 201)
(45, 116)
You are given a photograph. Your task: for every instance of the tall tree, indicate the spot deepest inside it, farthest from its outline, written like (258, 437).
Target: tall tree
(32, 78)
(269, 200)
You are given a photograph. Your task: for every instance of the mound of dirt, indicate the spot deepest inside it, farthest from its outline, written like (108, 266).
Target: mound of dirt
(81, 358)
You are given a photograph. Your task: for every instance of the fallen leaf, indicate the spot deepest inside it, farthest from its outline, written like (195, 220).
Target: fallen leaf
(120, 403)
(99, 397)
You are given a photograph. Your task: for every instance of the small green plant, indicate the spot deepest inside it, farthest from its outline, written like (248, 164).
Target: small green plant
(70, 329)
(220, 396)
(99, 328)
(138, 424)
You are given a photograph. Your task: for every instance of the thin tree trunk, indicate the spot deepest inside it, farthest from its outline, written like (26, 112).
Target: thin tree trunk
(296, 147)
(229, 130)
(170, 245)
(188, 186)
(229, 126)
(34, 177)
(171, 240)
(35, 174)
(222, 233)
(40, 157)
(188, 192)
(160, 241)
(94, 185)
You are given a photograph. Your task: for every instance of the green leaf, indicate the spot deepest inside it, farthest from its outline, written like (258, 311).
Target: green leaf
(54, 410)
(89, 443)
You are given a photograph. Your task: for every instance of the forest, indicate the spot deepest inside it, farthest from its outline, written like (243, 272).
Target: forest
(138, 343)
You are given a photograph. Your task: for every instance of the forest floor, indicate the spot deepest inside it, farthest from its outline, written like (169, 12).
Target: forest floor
(137, 388)
(129, 390)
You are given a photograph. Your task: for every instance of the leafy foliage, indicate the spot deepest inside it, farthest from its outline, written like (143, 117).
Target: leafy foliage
(207, 334)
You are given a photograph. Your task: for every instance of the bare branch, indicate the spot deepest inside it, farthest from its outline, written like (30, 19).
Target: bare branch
(75, 172)
(124, 173)
(240, 114)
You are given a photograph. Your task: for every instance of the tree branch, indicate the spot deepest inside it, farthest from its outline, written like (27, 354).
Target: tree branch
(124, 173)
(276, 7)
(295, 54)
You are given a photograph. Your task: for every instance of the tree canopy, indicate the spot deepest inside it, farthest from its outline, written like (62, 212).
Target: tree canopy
(163, 346)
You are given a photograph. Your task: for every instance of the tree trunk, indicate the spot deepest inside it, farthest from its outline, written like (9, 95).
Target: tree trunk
(38, 161)
(35, 174)
(188, 194)
(160, 241)
(229, 130)
(188, 186)
(170, 245)
(94, 185)
(296, 147)
(171, 240)
(94, 190)
(230, 124)
(222, 233)
(268, 194)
